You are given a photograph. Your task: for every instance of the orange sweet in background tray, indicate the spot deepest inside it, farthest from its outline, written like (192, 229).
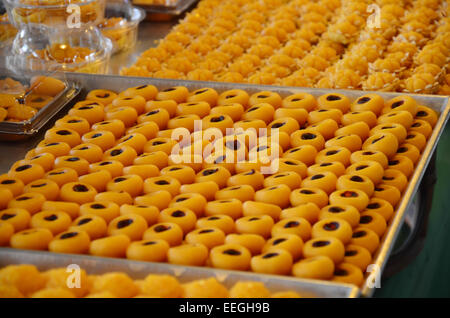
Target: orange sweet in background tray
(52, 284)
(63, 53)
(19, 102)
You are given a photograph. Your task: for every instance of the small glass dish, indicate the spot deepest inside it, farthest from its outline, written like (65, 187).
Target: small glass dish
(40, 48)
(55, 12)
(121, 25)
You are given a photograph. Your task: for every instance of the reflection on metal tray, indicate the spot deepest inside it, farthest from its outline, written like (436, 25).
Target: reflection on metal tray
(164, 5)
(439, 103)
(138, 270)
(165, 12)
(25, 129)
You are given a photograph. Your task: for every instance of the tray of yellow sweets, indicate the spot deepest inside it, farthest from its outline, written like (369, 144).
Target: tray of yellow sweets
(304, 185)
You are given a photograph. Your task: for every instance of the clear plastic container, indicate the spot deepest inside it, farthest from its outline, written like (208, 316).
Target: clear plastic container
(121, 24)
(54, 12)
(41, 48)
(7, 31)
(28, 102)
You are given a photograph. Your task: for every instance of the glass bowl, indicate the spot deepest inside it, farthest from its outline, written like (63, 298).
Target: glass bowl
(55, 12)
(121, 25)
(51, 49)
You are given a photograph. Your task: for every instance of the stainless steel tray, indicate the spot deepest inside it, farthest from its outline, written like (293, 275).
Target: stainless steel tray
(25, 129)
(138, 270)
(170, 5)
(439, 103)
(166, 12)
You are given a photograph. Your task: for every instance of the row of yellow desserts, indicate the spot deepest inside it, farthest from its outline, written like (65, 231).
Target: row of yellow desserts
(299, 57)
(317, 52)
(275, 30)
(327, 189)
(340, 72)
(408, 65)
(430, 63)
(399, 55)
(18, 281)
(367, 49)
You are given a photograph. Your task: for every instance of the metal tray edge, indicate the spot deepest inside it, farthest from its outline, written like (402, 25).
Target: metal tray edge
(394, 228)
(178, 9)
(139, 269)
(253, 87)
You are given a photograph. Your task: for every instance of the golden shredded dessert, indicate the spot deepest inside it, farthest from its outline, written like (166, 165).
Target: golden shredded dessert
(324, 43)
(19, 281)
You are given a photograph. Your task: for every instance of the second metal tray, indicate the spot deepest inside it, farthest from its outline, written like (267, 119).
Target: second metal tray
(165, 12)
